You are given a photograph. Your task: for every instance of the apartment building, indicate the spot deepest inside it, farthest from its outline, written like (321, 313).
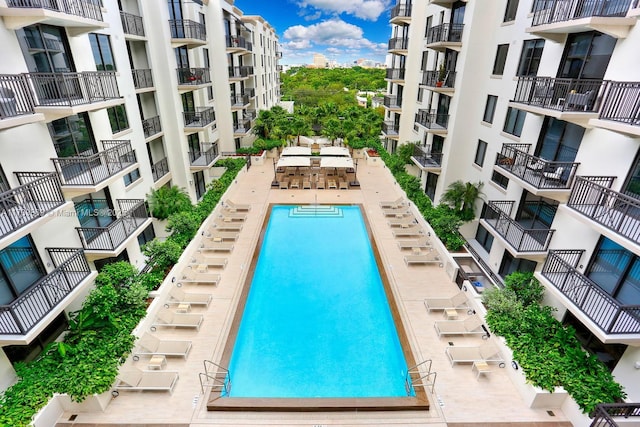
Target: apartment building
(540, 101)
(101, 102)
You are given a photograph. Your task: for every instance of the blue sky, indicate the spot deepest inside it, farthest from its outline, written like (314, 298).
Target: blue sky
(344, 30)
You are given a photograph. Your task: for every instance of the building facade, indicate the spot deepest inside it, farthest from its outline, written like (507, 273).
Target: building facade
(101, 102)
(538, 100)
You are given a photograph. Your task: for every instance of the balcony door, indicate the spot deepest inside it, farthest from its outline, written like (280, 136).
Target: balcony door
(193, 142)
(617, 271)
(559, 140)
(457, 12)
(45, 49)
(586, 56)
(20, 268)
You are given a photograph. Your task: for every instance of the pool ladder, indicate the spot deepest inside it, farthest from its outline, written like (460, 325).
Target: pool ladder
(216, 377)
(417, 378)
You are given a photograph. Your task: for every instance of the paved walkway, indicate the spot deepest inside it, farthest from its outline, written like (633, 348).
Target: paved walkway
(459, 397)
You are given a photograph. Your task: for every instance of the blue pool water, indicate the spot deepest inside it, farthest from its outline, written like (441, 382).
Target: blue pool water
(317, 322)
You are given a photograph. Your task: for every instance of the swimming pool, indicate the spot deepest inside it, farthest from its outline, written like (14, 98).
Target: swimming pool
(316, 322)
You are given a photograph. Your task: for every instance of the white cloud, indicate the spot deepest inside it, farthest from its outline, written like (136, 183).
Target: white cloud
(363, 9)
(334, 32)
(313, 17)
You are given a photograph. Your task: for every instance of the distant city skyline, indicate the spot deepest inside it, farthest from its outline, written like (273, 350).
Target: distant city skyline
(343, 31)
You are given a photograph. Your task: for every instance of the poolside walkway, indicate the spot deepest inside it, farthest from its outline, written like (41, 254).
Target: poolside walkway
(460, 399)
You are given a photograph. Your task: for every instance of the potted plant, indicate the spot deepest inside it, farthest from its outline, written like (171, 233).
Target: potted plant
(442, 74)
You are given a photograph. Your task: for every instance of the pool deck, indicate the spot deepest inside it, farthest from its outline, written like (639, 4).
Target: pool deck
(461, 397)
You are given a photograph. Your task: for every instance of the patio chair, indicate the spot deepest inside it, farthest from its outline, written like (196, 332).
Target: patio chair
(149, 345)
(199, 278)
(343, 185)
(472, 325)
(487, 352)
(178, 296)
(217, 247)
(169, 319)
(295, 183)
(306, 184)
(399, 222)
(320, 184)
(422, 259)
(398, 203)
(442, 303)
(208, 261)
(225, 225)
(284, 184)
(422, 243)
(535, 165)
(133, 379)
(556, 175)
(411, 231)
(237, 207)
(581, 100)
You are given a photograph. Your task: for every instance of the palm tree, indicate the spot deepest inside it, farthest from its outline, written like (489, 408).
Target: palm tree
(331, 129)
(462, 197)
(298, 126)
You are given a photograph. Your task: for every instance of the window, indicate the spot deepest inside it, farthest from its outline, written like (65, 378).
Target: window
(501, 59)
(45, 50)
(510, 264)
(20, 267)
(131, 177)
(484, 237)
(559, 140)
(490, 108)
(430, 187)
(481, 150)
(118, 118)
(198, 181)
(514, 121)
(72, 136)
(147, 235)
(207, 64)
(530, 57)
(499, 179)
(616, 271)
(101, 47)
(511, 11)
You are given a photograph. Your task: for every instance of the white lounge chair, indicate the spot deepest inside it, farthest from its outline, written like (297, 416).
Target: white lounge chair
(487, 352)
(233, 216)
(217, 246)
(218, 236)
(149, 345)
(411, 231)
(456, 301)
(169, 319)
(398, 203)
(423, 259)
(133, 379)
(398, 213)
(178, 296)
(222, 225)
(198, 261)
(422, 243)
(237, 207)
(404, 221)
(199, 278)
(472, 325)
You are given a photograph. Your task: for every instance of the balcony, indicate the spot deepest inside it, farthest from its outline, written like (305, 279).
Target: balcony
(199, 120)
(620, 111)
(616, 214)
(237, 44)
(109, 241)
(193, 78)
(59, 95)
(573, 100)
(77, 16)
(278, 54)
(142, 80)
(27, 315)
(445, 36)
(610, 320)
(279, 68)
(240, 73)
(17, 105)
(432, 80)
(443, 3)
(395, 75)
(160, 170)
(398, 45)
(250, 114)
(434, 122)
(609, 414)
(239, 101)
(392, 102)
(390, 130)
(132, 26)
(555, 18)
(185, 32)
(538, 176)
(87, 174)
(151, 127)
(520, 240)
(401, 14)
(242, 127)
(426, 159)
(205, 157)
(31, 203)
(251, 92)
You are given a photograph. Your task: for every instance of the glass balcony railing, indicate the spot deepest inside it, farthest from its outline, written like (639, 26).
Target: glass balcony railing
(34, 304)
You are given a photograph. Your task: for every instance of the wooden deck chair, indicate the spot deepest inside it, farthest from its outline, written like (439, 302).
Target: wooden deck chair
(149, 345)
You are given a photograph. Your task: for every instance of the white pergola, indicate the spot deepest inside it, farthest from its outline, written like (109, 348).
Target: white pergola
(293, 161)
(336, 162)
(295, 151)
(334, 151)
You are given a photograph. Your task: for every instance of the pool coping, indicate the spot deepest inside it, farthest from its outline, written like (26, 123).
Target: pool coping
(410, 403)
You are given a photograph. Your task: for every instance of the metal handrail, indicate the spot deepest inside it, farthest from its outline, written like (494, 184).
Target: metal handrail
(70, 89)
(432, 120)
(552, 11)
(16, 97)
(187, 29)
(83, 8)
(142, 78)
(132, 24)
(451, 33)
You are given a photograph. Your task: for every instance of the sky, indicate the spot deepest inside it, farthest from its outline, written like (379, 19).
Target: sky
(342, 30)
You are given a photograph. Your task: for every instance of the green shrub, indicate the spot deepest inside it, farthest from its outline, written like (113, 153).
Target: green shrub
(183, 226)
(527, 288)
(168, 200)
(164, 254)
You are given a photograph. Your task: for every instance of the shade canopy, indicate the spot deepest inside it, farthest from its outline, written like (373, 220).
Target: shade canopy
(293, 161)
(296, 151)
(336, 162)
(334, 151)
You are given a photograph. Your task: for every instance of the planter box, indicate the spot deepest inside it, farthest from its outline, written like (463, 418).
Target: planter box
(216, 172)
(259, 160)
(273, 153)
(358, 153)
(50, 414)
(373, 160)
